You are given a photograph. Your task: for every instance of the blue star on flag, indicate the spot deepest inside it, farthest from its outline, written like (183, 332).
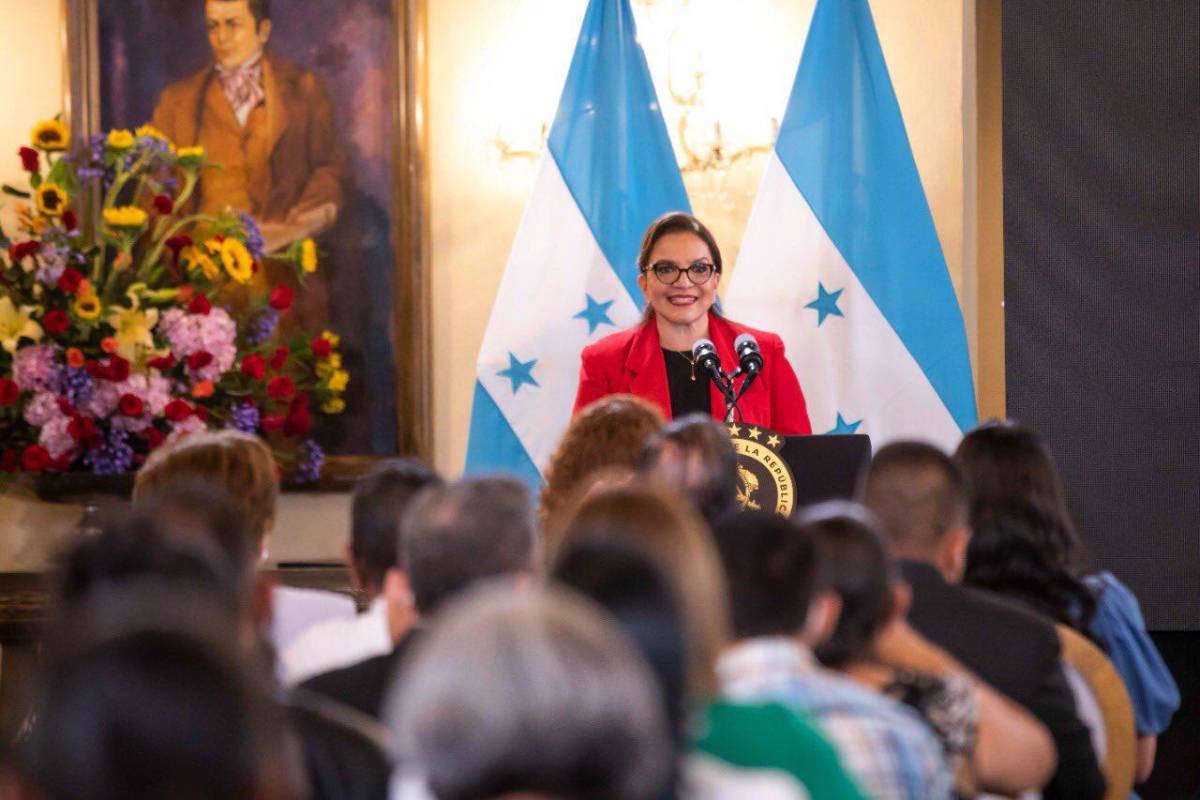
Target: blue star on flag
(596, 314)
(843, 427)
(826, 303)
(519, 372)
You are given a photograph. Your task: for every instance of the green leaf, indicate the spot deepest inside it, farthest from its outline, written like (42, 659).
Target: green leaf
(35, 180)
(10, 190)
(62, 174)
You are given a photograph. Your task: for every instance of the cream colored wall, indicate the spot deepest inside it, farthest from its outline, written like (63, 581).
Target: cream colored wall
(503, 67)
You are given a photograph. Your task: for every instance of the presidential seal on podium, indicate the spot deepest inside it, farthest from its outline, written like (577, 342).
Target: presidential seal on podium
(764, 479)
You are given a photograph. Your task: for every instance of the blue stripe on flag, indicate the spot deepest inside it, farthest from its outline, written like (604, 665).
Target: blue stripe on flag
(844, 145)
(610, 142)
(492, 447)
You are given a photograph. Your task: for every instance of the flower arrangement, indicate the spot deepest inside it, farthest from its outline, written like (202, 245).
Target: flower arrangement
(145, 323)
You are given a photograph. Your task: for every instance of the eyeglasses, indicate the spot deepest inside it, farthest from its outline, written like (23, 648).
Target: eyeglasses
(668, 273)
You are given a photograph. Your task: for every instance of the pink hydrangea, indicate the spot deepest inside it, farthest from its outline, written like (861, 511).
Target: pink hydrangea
(36, 369)
(56, 437)
(103, 401)
(185, 428)
(214, 332)
(154, 391)
(42, 409)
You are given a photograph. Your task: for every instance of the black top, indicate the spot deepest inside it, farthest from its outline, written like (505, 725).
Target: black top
(688, 396)
(1017, 653)
(362, 686)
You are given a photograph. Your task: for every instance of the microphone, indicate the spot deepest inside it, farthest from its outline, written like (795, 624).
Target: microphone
(704, 353)
(750, 360)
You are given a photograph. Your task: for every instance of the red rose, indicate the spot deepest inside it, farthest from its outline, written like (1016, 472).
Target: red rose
(163, 363)
(200, 305)
(280, 387)
(254, 366)
(281, 298)
(16, 252)
(298, 423)
(81, 427)
(10, 461)
(35, 458)
(9, 392)
(29, 159)
(63, 462)
(177, 410)
(153, 436)
(56, 321)
(201, 413)
(69, 280)
(177, 243)
(69, 220)
(117, 370)
(199, 359)
(131, 405)
(163, 204)
(65, 407)
(299, 401)
(271, 424)
(280, 357)
(321, 348)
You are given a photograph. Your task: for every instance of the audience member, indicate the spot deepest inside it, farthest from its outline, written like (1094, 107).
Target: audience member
(743, 750)
(989, 742)
(609, 434)
(529, 694)
(918, 496)
(694, 454)
(379, 502)
(1025, 546)
(453, 536)
(781, 609)
(243, 466)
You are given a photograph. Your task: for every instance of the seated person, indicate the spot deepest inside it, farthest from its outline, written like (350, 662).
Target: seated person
(694, 455)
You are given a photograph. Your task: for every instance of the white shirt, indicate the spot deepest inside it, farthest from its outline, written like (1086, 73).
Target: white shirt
(336, 643)
(295, 610)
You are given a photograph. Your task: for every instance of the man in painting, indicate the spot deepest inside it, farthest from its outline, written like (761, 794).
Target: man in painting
(267, 123)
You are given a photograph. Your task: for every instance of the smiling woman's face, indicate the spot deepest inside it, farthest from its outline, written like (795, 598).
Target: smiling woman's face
(681, 303)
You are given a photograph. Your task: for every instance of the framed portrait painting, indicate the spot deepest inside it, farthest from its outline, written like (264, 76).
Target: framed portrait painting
(311, 113)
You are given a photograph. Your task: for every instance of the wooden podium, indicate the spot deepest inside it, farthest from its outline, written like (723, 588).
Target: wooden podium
(786, 473)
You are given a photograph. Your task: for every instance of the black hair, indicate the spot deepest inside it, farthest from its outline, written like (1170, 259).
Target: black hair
(713, 490)
(380, 500)
(259, 9)
(773, 567)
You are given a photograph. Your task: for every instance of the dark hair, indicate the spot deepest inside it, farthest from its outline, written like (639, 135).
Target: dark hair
(629, 586)
(1024, 541)
(259, 9)
(676, 222)
(916, 493)
(457, 534)
(773, 569)
(149, 714)
(380, 500)
(713, 490)
(861, 572)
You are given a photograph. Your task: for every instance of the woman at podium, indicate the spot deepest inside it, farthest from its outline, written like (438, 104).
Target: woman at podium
(680, 270)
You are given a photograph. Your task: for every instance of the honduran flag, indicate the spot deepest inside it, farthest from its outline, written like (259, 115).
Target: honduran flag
(841, 258)
(571, 277)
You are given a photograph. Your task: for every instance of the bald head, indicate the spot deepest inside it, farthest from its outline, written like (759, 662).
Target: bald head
(917, 494)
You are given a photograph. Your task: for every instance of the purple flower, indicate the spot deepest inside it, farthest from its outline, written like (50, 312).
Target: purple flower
(309, 462)
(112, 457)
(77, 386)
(263, 327)
(36, 369)
(254, 238)
(244, 418)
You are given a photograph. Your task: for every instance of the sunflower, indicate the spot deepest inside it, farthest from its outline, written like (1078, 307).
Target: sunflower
(124, 217)
(87, 305)
(119, 139)
(51, 135)
(151, 132)
(190, 156)
(237, 260)
(308, 256)
(51, 199)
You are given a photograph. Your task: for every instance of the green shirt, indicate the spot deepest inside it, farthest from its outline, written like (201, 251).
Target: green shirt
(770, 736)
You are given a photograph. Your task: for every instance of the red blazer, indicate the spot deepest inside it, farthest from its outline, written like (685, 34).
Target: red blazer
(631, 361)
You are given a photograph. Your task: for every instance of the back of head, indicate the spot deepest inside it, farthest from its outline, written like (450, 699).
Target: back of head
(660, 525)
(609, 433)
(917, 495)
(237, 462)
(457, 534)
(624, 580)
(695, 455)
(380, 501)
(150, 713)
(861, 572)
(530, 692)
(772, 566)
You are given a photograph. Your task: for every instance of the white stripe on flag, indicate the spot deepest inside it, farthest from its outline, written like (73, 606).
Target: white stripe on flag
(854, 365)
(554, 265)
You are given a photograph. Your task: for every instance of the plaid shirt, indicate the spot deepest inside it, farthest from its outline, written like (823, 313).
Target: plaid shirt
(885, 745)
